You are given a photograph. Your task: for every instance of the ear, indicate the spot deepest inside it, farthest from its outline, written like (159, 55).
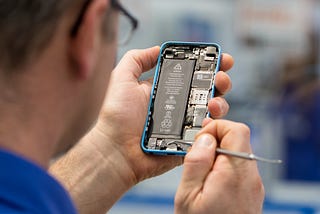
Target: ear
(84, 46)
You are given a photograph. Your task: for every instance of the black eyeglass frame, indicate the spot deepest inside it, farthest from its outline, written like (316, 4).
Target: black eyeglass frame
(115, 4)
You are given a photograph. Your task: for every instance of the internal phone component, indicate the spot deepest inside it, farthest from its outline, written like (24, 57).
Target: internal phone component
(172, 96)
(202, 79)
(180, 96)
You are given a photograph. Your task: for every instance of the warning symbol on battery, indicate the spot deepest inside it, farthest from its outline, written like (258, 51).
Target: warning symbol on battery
(178, 67)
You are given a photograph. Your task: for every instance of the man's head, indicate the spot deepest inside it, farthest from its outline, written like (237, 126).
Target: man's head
(56, 57)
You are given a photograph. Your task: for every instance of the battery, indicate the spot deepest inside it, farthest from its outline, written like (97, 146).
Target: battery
(172, 97)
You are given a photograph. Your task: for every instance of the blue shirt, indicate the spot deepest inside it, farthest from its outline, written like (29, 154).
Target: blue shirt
(27, 188)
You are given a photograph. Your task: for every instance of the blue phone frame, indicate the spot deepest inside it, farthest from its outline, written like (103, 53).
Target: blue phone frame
(155, 80)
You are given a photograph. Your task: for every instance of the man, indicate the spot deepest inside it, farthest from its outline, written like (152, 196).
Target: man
(56, 57)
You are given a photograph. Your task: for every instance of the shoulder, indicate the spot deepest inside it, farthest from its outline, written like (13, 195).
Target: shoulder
(27, 188)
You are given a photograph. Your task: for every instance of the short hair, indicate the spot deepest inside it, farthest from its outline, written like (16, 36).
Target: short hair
(27, 26)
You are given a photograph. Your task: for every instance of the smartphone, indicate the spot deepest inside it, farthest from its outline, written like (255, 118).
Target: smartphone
(183, 85)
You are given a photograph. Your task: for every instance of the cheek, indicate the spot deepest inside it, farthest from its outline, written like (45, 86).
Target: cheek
(109, 63)
(106, 66)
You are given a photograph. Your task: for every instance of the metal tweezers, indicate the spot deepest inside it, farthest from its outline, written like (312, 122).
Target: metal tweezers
(247, 156)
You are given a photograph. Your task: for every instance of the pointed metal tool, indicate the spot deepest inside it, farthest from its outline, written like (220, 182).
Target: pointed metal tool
(247, 156)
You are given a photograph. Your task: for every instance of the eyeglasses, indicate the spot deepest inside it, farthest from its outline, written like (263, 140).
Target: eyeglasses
(127, 23)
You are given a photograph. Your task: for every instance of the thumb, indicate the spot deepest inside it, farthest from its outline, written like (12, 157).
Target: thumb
(135, 62)
(197, 165)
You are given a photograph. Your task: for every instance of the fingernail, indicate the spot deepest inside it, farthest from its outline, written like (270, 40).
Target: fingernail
(204, 141)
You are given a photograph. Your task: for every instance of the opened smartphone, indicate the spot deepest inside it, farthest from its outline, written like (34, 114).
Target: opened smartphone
(183, 85)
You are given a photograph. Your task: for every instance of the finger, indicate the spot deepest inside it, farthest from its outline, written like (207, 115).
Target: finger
(222, 83)
(197, 164)
(147, 85)
(138, 61)
(231, 171)
(226, 62)
(206, 121)
(231, 135)
(218, 107)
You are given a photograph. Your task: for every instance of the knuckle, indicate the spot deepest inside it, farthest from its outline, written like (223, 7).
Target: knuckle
(244, 129)
(180, 204)
(133, 56)
(258, 189)
(258, 186)
(178, 200)
(131, 53)
(194, 159)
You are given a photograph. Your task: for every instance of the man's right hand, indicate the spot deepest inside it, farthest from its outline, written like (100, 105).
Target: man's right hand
(214, 183)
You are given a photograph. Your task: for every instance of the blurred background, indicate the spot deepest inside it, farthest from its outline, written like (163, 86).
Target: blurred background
(276, 89)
